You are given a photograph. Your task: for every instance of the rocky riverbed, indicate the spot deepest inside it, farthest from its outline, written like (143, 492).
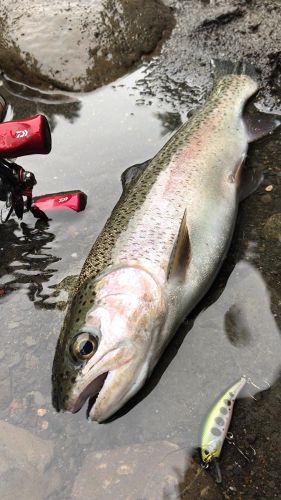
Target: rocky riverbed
(80, 46)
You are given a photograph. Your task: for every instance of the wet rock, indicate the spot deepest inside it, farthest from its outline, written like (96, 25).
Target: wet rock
(15, 359)
(272, 227)
(143, 471)
(251, 437)
(5, 392)
(13, 324)
(266, 198)
(219, 30)
(30, 341)
(25, 465)
(38, 398)
(78, 45)
(236, 327)
(198, 483)
(31, 361)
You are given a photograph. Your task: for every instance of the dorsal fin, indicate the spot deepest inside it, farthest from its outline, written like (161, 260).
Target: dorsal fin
(131, 174)
(181, 253)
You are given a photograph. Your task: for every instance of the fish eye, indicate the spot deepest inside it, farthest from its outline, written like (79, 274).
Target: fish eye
(84, 346)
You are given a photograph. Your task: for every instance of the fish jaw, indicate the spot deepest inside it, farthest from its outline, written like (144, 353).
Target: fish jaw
(120, 385)
(113, 377)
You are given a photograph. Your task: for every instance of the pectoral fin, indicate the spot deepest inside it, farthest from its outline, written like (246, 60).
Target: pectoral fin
(181, 253)
(250, 180)
(131, 174)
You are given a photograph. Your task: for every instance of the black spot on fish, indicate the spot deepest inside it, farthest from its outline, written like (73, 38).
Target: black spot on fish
(219, 420)
(215, 431)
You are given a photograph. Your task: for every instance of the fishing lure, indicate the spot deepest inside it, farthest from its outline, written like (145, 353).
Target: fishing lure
(217, 423)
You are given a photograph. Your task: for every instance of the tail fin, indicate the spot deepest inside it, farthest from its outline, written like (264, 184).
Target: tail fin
(223, 68)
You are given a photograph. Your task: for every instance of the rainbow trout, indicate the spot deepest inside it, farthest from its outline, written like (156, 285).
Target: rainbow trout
(158, 253)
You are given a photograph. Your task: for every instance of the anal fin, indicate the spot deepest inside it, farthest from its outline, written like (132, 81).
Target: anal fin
(247, 179)
(260, 124)
(250, 180)
(181, 253)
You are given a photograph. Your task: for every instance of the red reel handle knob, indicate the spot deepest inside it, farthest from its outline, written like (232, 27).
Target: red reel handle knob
(76, 200)
(25, 137)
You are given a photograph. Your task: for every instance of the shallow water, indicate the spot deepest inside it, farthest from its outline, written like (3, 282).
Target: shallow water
(95, 137)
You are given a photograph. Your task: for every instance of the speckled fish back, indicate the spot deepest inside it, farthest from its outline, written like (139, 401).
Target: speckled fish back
(124, 236)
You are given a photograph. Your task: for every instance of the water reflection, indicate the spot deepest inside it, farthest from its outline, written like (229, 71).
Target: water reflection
(170, 121)
(236, 327)
(78, 45)
(26, 258)
(26, 101)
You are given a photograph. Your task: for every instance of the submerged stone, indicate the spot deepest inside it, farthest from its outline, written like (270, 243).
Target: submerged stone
(146, 471)
(25, 465)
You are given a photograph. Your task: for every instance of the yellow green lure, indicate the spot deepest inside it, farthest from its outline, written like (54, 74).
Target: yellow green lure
(217, 423)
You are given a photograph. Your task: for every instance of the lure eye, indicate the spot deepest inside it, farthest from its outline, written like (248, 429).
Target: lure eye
(84, 346)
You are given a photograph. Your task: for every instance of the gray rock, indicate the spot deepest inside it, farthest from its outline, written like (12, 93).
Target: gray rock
(5, 393)
(78, 45)
(30, 341)
(38, 398)
(228, 30)
(143, 471)
(25, 460)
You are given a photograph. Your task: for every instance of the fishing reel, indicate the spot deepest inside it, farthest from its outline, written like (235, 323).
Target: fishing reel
(21, 138)
(15, 184)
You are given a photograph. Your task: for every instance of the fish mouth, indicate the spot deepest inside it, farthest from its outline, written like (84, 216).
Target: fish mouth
(96, 382)
(108, 390)
(91, 392)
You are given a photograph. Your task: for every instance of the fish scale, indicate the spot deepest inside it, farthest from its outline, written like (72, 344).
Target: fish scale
(117, 230)
(157, 255)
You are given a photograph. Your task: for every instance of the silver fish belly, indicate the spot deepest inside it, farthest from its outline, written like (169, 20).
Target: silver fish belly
(156, 257)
